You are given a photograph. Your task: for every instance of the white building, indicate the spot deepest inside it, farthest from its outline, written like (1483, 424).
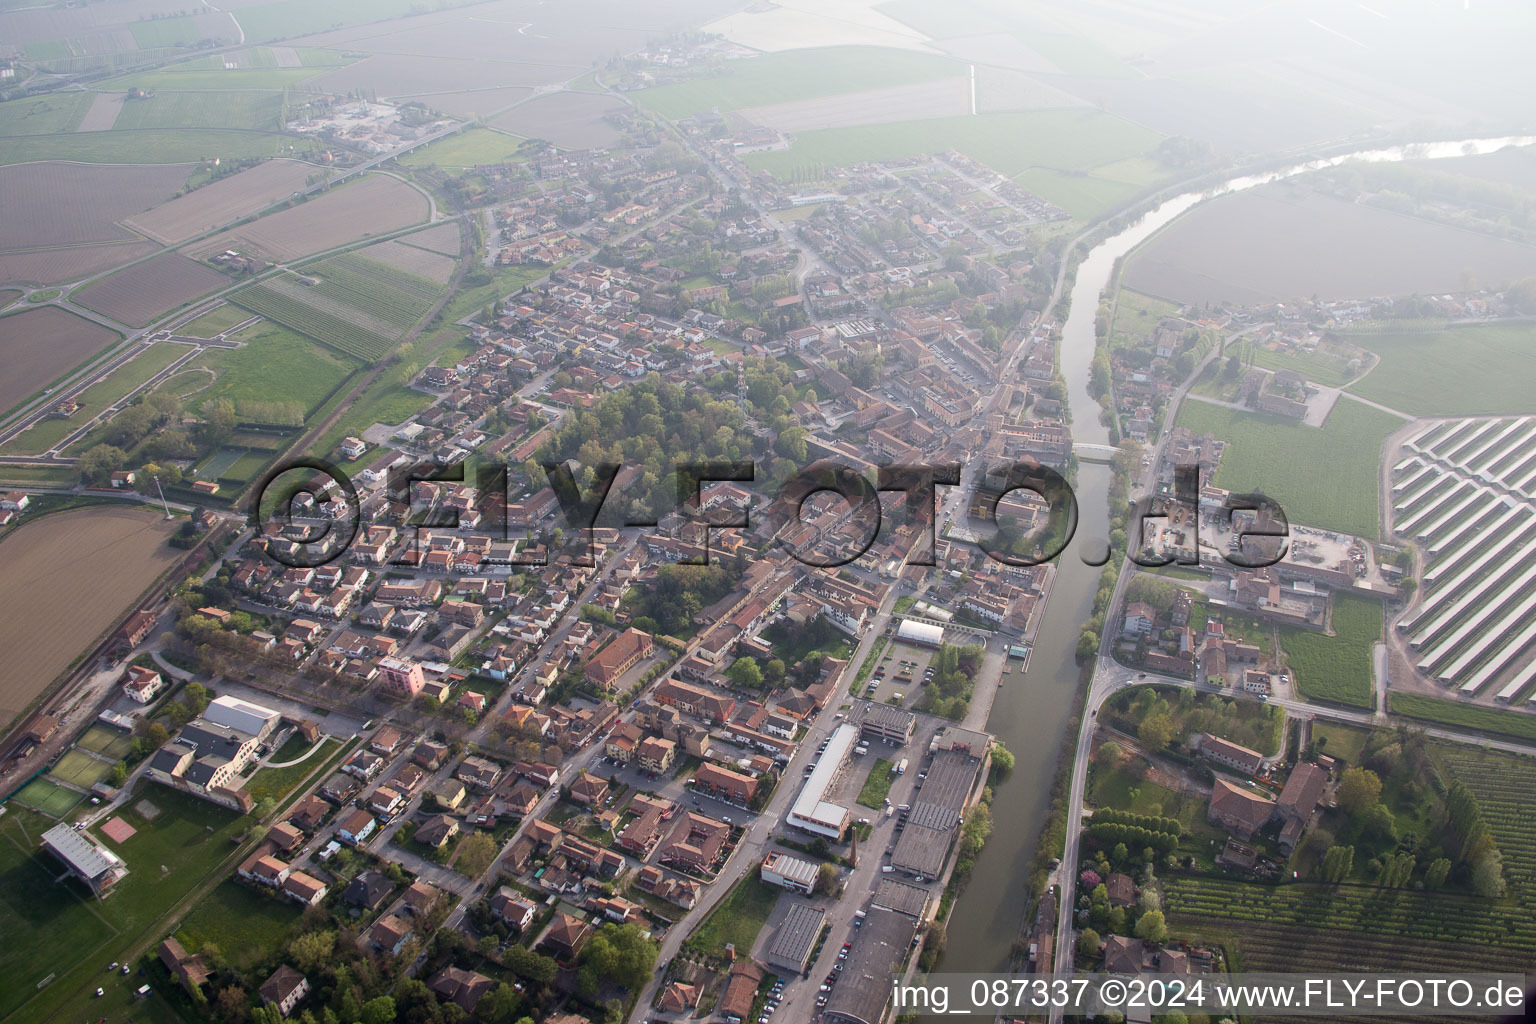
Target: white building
(924, 634)
(234, 713)
(812, 811)
(788, 872)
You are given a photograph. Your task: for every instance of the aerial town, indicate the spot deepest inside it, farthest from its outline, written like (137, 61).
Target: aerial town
(731, 513)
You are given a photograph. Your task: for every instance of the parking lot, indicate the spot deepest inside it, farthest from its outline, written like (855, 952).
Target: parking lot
(901, 670)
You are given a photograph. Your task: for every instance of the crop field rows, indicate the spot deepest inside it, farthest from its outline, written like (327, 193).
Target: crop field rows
(1437, 924)
(1503, 786)
(360, 306)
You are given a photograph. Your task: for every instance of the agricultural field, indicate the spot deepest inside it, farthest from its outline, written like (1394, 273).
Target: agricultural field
(44, 115)
(473, 148)
(68, 263)
(185, 30)
(48, 622)
(289, 19)
(400, 254)
(1009, 143)
(570, 120)
(220, 202)
(475, 102)
(1319, 927)
(56, 204)
(944, 97)
(147, 291)
(1283, 242)
(1321, 477)
(372, 206)
(40, 345)
(443, 238)
(399, 73)
(1457, 371)
(56, 931)
(253, 110)
(1336, 669)
(797, 75)
(1461, 715)
(358, 306)
(141, 147)
(273, 364)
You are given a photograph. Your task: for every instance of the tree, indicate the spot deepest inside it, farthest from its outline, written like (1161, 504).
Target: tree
(1359, 790)
(475, 854)
(231, 1002)
(1088, 942)
(1151, 927)
(621, 954)
(1155, 730)
(218, 421)
(312, 950)
(773, 672)
(1435, 874)
(975, 830)
(157, 735)
(119, 775)
(500, 1005)
(195, 696)
(1379, 826)
(1488, 875)
(1002, 760)
(97, 463)
(378, 1010)
(745, 673)
(826, 878)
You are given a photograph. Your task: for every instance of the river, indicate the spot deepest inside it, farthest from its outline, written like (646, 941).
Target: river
(1030, 716)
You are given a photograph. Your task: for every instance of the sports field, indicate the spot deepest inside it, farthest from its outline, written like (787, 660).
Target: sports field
(106, 741)
(48, 797)
(81, 769)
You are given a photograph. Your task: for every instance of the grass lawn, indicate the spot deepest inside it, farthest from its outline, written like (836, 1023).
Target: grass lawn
(1137, 316)
(56, 930)
(274, 365)
(1084, 196)
(797, 75)
(471, 148)
(1466, 370)
(247, 927)
(1461, 715)
(1336, 668)
(276, 783)
(1321, 477)
(1322, 367)
(1010, 143)
(214, 322)
(141, 147)
(877, 785)
(738, 918)
(1339, 741)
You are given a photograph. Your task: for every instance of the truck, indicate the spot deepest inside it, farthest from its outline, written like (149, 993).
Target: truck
(901, 767)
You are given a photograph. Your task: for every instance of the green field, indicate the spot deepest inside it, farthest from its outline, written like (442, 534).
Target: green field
(181, 31)
(1459, 371)
(57, 931)
(1336, 668)
(1321, 477)
(44, 115)
(738, 918)
(246, 927)
(214, 322)
(254, 110)
(274, 365)
(1343, 742)
(797, 75)
(140, 147)
(877, 784)
(1084, 196)
(1460, 715)
(1010, 143)
(173, 79)
(472, 148)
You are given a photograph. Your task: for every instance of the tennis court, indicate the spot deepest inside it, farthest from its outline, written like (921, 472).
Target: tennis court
(81, 769)
(107, 742)
(48, 797)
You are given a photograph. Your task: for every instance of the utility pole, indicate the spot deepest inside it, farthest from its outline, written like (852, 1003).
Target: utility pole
(163, 502)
